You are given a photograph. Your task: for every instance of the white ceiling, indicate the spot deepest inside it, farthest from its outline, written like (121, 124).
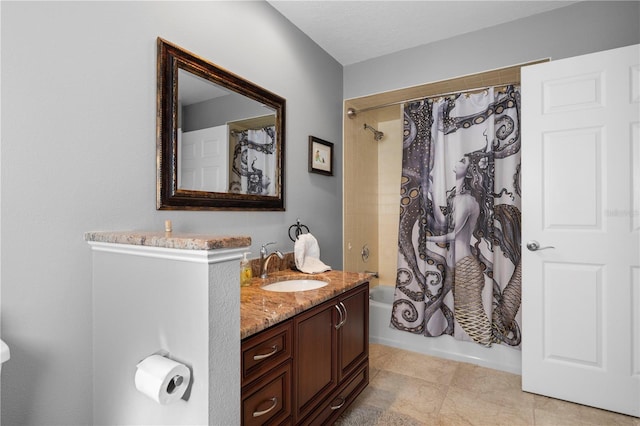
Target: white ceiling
(354, 31)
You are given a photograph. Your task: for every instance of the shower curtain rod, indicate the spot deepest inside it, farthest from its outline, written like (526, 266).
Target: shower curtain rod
(351, 112)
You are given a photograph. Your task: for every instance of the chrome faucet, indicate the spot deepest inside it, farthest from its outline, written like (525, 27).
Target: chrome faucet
(264, 259)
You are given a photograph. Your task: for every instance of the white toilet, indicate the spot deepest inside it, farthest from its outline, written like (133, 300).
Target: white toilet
(5, 354)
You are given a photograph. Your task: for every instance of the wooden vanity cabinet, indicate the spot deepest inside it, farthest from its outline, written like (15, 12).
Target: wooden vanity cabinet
(309, 368)
(266, 376)
(331, 353)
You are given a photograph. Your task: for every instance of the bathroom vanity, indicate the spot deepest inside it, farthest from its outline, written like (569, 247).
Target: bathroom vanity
(305, 355)
(301, 356)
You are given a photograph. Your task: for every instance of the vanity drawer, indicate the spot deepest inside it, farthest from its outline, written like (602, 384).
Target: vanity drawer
(268, 400)
(343, 397)
(262, 352)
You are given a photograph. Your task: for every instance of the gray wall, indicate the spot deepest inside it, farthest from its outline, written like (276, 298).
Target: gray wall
(78, 154)
(219, 111)
(581, 28)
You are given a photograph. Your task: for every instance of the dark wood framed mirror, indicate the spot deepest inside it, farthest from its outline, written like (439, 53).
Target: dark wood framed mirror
(220, 139)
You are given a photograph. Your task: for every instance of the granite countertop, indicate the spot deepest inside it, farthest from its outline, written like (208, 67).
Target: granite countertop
(170, 240)
(260, 309)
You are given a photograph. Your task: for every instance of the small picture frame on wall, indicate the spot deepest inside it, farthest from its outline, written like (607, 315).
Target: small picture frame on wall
(320, 156)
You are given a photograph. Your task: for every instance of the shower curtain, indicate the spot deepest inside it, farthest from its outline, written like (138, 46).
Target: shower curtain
(459, 232)
(253, 169)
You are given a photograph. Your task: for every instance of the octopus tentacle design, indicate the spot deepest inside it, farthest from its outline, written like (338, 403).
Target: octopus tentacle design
(448, 235)
(409, 313)
(508, 303)
(413, 288)
(506, 127)
(257, 181)
(505, 328)
(512, 146)
(438, 306)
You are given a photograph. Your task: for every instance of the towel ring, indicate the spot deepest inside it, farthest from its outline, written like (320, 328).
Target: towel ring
(298, 230)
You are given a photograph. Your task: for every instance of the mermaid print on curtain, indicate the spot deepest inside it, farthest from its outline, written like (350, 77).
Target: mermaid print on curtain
(459, 234)
(253, 170)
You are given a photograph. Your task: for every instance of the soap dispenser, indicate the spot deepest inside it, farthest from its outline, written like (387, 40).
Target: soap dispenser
(245, 270)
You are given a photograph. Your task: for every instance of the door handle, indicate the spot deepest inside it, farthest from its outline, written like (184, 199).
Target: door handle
(533, 245)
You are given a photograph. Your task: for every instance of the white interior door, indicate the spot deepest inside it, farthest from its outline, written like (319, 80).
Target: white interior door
(581, 195)
(204, 159)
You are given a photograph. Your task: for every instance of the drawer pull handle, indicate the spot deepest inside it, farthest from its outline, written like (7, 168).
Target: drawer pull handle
(263, 412)
(263, 356)
(336, 407)
(339, 324)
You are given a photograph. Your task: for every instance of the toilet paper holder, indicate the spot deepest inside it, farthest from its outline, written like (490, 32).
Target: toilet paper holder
(176, 381)
(163, 386)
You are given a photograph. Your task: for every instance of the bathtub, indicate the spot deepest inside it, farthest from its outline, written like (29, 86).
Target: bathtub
(498, 357)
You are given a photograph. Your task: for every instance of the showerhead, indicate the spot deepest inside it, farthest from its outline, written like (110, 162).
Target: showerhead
(377, 135)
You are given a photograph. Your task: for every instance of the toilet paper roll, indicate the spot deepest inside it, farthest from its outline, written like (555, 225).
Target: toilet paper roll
(162, 379)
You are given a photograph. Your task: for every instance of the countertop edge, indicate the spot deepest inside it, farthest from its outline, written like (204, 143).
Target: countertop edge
(183, 241)
(279, 307)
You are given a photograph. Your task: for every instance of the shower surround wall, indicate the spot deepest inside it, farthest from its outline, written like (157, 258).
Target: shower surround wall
(371, 187)
(360, 215)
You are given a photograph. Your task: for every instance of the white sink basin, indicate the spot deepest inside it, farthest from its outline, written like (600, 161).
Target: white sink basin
(294, 285)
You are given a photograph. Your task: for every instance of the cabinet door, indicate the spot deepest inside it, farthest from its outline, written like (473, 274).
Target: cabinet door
(315, 357)
(353, 335)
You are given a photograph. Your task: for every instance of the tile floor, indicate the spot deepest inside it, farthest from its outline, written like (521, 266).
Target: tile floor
(407, 388)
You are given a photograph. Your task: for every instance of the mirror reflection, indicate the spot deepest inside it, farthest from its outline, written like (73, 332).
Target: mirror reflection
(226, 141)
(220, 137)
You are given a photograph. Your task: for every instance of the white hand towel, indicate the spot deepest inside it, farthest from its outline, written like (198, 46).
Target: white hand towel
(307, 255)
